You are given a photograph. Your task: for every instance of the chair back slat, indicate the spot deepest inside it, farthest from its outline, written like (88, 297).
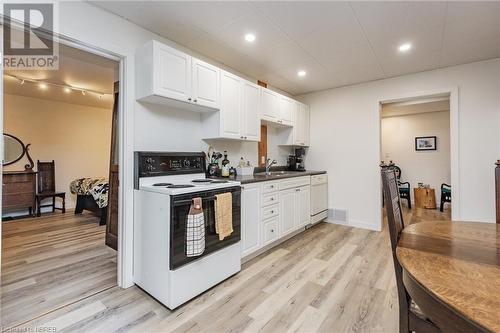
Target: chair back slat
(46, 176)
(393, 205)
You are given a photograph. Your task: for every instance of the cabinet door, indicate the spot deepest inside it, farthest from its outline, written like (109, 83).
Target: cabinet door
(205, 84)
(285, 110)
(173, 73)
(303, 204)
(230, 111)
(287, 212)
(251, 112)
(305, 124)
(250, 219)
(270, 107)
(297, 122)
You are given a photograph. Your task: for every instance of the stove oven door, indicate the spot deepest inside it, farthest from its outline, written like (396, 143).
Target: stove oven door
(180, 205)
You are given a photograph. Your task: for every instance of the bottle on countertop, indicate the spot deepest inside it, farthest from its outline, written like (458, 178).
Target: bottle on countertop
(225, 160)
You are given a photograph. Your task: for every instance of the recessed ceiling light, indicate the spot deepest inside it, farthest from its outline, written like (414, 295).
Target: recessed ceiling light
(404, 47)
(67, 90)
(42, 86)
(250, 37)
(301, 73)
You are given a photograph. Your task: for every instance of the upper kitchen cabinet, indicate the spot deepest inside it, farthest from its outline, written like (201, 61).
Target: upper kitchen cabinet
(299, 134)
(251, 111)
(286, 108)
(276, 108)
(168, 76)
(270, 105)
(205, 84)
(301, 125)
(239, 116)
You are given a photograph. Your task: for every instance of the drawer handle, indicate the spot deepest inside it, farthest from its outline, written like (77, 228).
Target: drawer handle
(272, 212)
(272, 230)
(272, 199)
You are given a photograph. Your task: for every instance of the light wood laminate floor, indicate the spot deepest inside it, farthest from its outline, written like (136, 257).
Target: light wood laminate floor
(50, 262)
(330, 278)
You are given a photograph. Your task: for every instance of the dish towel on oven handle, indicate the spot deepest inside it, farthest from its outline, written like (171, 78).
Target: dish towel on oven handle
(224, 215)
(195, 230)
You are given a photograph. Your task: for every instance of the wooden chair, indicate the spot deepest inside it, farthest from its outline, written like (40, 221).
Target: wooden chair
(46, 180)
(445, 195)
(411, 319)
(404, 187)
(497, 189)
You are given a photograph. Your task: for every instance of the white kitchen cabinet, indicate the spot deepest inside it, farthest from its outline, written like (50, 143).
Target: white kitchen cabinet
(270, 231)
(286, 108)
(300, 133)
(270, 105)
(231, 106)
(205, 84)
(239, 116)
(281, 207)
(251, 112)
(287, 212)
(303, 205)
(166, 75)
(250, 219)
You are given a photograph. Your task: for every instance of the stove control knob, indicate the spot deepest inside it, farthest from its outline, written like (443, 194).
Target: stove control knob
(187, 164)
(150, 168)
(149, 160)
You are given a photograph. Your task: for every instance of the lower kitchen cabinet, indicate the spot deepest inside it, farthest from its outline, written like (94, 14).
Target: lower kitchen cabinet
(250, 219)
(270, 231)
(272, 210)
(288, 211)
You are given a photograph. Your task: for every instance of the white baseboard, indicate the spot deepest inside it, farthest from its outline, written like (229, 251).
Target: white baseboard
(355, 224)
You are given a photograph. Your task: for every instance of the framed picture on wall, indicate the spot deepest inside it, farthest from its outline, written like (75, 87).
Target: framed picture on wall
(423, 143)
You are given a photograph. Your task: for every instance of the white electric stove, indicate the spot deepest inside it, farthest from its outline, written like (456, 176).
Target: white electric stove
(165, 186)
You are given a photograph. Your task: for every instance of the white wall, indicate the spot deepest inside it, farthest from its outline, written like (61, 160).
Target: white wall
(398, 144)
(345, 138)
(76, 137)
(146, 128)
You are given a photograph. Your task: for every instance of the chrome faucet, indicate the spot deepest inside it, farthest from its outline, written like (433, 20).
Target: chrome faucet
(269, 163)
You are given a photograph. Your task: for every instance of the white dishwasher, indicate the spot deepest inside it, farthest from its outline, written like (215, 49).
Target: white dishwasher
(319, 197)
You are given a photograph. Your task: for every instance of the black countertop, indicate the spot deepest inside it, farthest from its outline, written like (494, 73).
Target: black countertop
(255, 178)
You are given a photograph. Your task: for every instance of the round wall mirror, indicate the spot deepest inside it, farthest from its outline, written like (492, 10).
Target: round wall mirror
(14, 149)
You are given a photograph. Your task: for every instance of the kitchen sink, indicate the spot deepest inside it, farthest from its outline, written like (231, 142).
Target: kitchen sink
(274, 173)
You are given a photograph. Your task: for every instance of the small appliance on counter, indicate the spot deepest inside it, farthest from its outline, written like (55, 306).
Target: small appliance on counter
(296, 162)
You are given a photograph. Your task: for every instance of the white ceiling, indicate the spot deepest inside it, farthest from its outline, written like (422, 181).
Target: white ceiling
(337, 43)
(77, 69)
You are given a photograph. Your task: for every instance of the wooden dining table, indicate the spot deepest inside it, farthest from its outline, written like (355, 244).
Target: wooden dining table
(452, 272)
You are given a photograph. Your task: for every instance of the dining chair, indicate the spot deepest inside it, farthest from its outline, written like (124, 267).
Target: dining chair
(445, 195)
(404, 187)
(411, 318)
(46, 180)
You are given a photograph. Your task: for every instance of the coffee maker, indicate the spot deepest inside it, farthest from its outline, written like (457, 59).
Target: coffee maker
(296, 162)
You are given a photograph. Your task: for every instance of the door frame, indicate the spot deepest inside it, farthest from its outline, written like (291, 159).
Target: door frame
(452, 92)
(125, 151)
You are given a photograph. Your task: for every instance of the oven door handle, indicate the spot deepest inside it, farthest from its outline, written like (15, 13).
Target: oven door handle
(188, 201)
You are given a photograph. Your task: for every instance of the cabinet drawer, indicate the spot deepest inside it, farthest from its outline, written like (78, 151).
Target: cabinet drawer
(18, 200)
(268, 187)
(294, 182)
(271, 211)
(319, 179)
(24, 187)
(270, 231)
(270, 199)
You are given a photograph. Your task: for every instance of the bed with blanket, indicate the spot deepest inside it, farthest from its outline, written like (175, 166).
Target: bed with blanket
(92, 195)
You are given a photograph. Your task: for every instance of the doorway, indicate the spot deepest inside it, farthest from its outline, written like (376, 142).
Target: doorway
(415, 141)
(66, 125)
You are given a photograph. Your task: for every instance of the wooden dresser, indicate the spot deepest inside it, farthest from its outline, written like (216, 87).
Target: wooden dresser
(19, 189)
